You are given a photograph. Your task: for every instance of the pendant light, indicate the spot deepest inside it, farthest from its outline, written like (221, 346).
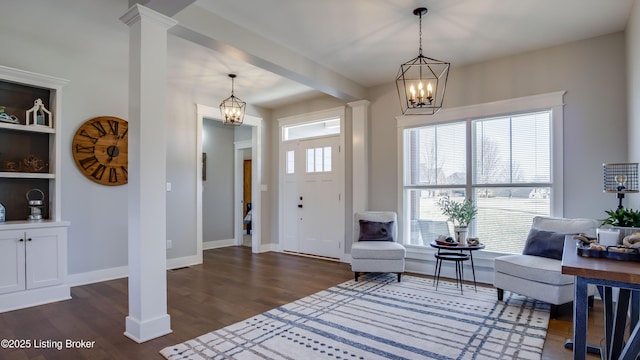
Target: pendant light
(422, 81)
(232, 108)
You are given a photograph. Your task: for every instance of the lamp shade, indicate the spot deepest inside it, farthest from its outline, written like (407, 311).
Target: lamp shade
(620, 177)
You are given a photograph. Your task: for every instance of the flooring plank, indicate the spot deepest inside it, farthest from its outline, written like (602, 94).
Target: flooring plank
(231, 285)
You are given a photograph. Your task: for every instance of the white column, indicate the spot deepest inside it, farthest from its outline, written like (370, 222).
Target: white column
(148, 317)
(360, 151)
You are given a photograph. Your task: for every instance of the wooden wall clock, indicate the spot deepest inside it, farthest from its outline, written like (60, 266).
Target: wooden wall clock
(100, 150)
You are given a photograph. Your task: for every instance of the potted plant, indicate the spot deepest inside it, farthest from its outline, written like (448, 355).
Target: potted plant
(460, 214)
(625, 220)
(622, 217)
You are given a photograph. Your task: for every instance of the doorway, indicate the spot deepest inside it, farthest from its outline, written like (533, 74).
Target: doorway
(244, 222)
(311, 174)
(256, 126)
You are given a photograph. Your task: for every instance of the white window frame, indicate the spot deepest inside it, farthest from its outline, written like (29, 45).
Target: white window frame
(550, 101)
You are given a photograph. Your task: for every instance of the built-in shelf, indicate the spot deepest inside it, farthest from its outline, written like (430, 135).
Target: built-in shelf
(31, 128)
(34, 252)
(23, 175)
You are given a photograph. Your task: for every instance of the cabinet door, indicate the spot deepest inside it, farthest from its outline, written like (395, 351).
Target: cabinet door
(46, 257)
(12, 265)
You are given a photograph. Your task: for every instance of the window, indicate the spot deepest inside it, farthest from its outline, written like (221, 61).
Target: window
(325, 127)
(319, 159)
(290, 162)
(504, 163)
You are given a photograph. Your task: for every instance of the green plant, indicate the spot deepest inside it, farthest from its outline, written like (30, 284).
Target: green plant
(622, 218)
(459, 213)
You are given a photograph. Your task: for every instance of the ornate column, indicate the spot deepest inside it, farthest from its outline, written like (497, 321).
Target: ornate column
(148, 317)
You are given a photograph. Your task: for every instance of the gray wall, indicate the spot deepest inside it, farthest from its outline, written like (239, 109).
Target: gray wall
(85, 42)
(90, 50)
(593, 74)
(218, 190)
(633, 79)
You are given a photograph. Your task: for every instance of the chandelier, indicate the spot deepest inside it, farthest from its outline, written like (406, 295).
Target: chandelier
(421, 81)
(232, 108)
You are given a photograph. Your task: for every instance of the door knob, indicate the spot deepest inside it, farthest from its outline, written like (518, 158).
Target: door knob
(300, 206)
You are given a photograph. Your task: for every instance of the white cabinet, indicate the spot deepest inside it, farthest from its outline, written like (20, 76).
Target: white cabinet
(33, 254)
(32, 259)
(33, 264)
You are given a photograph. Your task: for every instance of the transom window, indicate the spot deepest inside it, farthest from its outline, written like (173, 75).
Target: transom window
(312, 129)
(504, 163)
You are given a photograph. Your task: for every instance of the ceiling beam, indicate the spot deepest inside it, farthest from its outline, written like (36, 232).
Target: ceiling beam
(210, 30)
(165, 7)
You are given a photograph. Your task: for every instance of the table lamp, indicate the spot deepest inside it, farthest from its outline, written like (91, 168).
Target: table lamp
(620, 178)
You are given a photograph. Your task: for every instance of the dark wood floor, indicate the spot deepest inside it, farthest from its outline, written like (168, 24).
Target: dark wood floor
(232, 285)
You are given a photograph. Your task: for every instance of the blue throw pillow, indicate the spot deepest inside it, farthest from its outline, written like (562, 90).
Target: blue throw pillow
(544, 243)
(376, 231)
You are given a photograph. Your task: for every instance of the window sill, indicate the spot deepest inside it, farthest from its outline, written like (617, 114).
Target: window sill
(420, 259)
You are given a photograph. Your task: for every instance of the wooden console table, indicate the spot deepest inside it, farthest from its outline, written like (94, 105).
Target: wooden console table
(606, 274)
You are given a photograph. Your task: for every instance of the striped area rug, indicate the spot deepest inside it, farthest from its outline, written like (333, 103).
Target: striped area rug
(379, 318)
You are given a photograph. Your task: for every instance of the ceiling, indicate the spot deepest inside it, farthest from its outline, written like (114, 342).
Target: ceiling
(363, 42)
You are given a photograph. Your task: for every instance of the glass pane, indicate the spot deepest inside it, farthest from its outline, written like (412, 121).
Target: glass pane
(426, 219)
(313, 129)
(310, 160)
(513, 149)
(492, 151)
(290, 161)
(327, 159)
(318, 159)
(531, 148)
(505, 215)
(436, 155)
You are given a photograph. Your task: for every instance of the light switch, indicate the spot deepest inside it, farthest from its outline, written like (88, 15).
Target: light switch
(168, 186)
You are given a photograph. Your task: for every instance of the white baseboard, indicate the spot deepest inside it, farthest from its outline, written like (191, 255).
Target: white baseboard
(214, 244)
(183, 262)
(268, 247)
(483, 274)
(96, 276)
(91, 277)
(23, 299)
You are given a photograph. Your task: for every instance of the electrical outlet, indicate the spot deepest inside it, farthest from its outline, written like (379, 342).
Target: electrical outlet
(169, 244)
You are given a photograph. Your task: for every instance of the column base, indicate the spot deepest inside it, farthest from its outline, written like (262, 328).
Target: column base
(141, 331)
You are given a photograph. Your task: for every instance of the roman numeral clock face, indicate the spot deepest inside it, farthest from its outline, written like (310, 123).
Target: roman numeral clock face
(100, 150)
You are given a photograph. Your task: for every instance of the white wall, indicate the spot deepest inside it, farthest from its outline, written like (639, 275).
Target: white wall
(633, 86)
(593, 74)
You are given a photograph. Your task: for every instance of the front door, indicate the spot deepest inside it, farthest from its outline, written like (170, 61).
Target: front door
(313, 213)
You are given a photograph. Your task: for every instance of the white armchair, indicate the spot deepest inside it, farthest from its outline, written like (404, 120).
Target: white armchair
(375, 247)
(541, 277)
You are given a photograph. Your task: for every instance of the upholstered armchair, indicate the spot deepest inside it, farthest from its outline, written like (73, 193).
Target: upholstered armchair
(375, 247)
(537, 273)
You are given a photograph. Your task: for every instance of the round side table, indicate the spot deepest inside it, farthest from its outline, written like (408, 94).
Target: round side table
(459, 249)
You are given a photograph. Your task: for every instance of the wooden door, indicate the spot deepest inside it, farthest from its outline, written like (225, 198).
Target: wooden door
(246, 189)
